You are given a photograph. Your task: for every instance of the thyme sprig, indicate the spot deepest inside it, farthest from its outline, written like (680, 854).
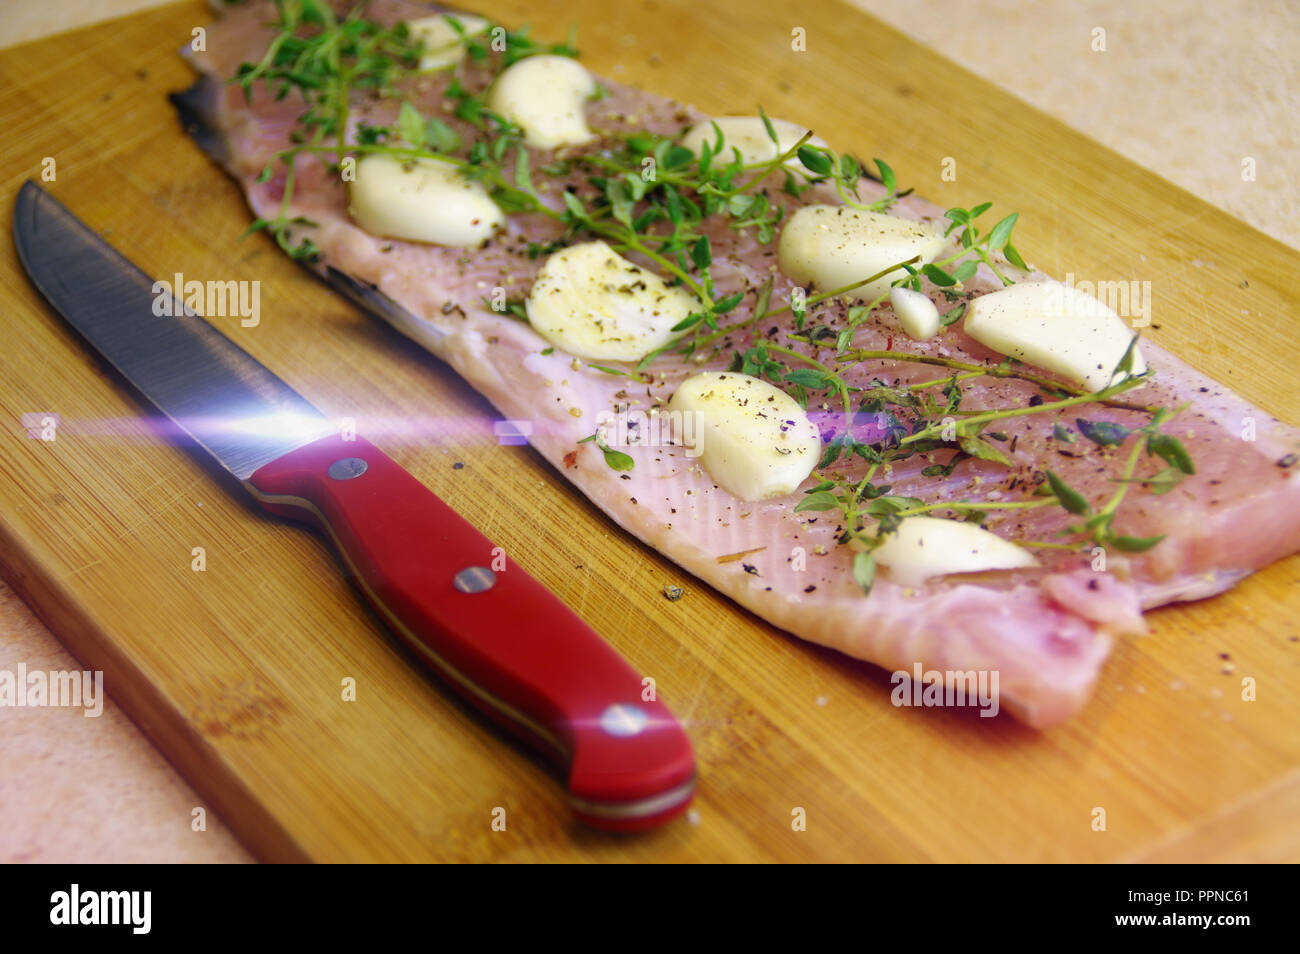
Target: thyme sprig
(652, 197)
(327, 62)
(868, 513)
(616, 460)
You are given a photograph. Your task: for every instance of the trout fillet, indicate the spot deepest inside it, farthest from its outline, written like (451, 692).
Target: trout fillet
(1046, 631)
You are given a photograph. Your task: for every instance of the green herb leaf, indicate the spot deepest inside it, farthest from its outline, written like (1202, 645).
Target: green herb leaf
(1099, 522)
(1125, 365)
(617, 460)
(739, 205)
(867, 453)
(952, 315)
(724, 305)
(1104, 433)
(1001, 233)
(701, 253)
(809, 378)
(620, 202)
(313, 11)
(523, 172)
(763, 298)
(815, 160)
(720, 141)
(887, 177)
(440, 136)
(676, 157)
(305, 251)
(1070, 499)
(849, 171)
(576, 208)
(834, 448)
(410, 125)
(636, 186)
(1014, 257)
(889, 523)
(256, 225)
(1165, 481)
(690, 321)
(1171, 450)
(798, 308)
(864, 571)
(821, 500)
(976, 447)
(1135, 544)
(885, 505)
(937, 275)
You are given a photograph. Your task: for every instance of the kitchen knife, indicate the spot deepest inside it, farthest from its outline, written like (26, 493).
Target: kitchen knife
(502, 640)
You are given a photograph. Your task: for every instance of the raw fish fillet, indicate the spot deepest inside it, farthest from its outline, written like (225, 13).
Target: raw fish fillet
(1045, 631)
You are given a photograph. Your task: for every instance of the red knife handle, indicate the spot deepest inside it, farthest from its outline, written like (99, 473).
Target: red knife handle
(500, 638)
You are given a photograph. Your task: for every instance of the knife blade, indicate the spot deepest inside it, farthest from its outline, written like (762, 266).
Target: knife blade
(508, 645)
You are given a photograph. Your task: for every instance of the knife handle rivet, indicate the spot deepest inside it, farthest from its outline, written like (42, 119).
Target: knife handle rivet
(474, 579)
(623, 720)
(345, 468)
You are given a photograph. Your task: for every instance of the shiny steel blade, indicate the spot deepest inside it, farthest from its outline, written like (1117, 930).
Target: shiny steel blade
(210, 387)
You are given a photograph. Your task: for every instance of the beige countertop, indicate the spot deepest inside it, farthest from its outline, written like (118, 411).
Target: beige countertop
(1193, 91)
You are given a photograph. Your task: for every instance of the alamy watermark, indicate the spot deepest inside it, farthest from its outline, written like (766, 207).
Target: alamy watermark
(128, 908)
(658, 427)
(931, 687)
(80, 689)
(212, 299)
(1131, 300)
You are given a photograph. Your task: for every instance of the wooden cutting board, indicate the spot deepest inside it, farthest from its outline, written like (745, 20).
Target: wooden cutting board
(236, 672)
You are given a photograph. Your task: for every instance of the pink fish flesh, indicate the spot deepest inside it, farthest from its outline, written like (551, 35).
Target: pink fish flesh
(1046, 631)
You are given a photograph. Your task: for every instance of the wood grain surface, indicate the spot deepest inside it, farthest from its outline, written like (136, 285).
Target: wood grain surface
(236, 672)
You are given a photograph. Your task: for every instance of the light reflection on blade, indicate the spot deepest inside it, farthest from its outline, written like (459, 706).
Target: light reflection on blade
(220, 395)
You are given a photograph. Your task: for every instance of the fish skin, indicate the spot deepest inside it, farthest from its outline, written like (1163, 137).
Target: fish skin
(1047, 632)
